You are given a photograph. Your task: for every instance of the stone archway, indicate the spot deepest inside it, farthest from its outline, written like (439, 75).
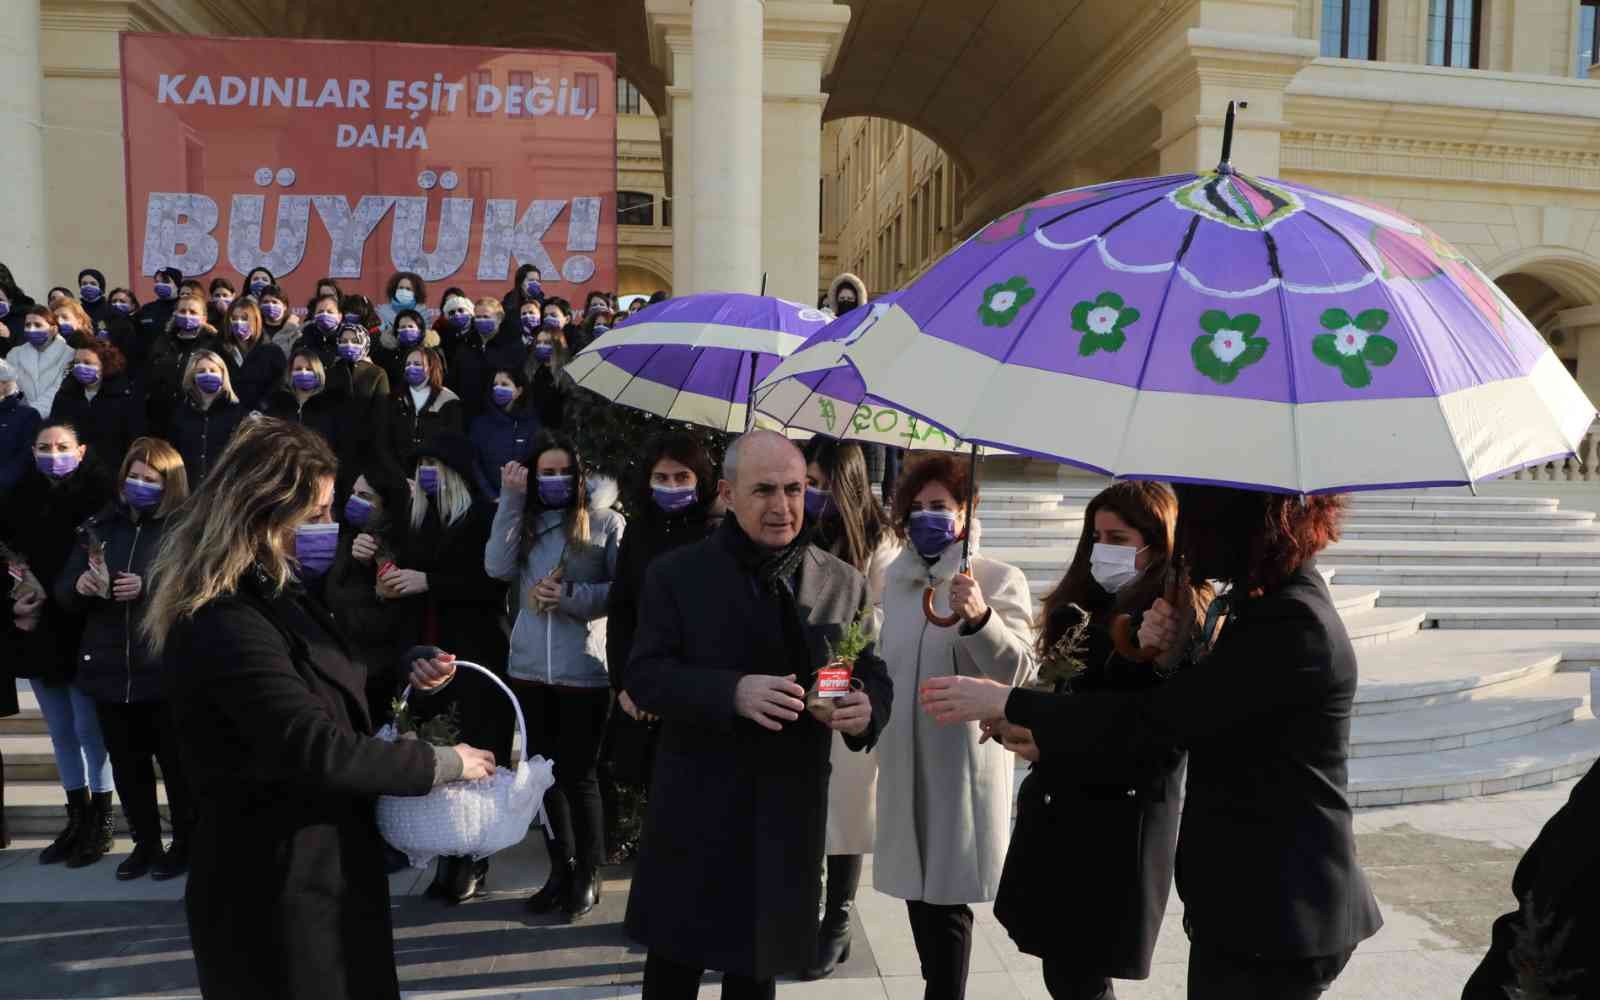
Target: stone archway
(642, 276)
(1559, 291)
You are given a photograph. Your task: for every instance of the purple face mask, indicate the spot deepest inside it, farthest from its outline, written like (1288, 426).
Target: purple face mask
(314, 548)
(552, 322)
(532, 289)
(122, 307)
(351, 352)
(66, 327)
(555, 491)
(818, 502)
(357, 511)
(428, 479)
(531, 323)
(165, 290)
(305, 380)
(931, 531)
(273, 311)
(461, 320)
(5, 309)
(672, 499)
(416, 375)
(37, 335)
(184, 323)
(89, 293)
(328, 322)
(503, 394)
(86, 374)
(140, 494)
(241, 329)
(353, 319)
(544, 352)
(208, 382)
(484, 324)
(409, 336)
(57, 464)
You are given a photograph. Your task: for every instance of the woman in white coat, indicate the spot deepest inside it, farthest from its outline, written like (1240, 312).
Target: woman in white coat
(848, 522)
(944, 795)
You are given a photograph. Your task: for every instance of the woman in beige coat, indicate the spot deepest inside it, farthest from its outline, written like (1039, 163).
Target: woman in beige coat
(849, 523)
(944, 796)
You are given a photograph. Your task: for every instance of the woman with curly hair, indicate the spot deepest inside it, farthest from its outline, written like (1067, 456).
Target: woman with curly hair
(1275, 901)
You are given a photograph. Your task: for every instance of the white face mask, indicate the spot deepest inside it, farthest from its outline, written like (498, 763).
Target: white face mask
(1113, 566)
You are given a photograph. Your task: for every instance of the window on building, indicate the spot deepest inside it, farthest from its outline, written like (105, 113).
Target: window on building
(1453, 33)
(1588, 35)
(635, 208)
(1350, 29)
(628, 102)
(666, 211)
(938, 199)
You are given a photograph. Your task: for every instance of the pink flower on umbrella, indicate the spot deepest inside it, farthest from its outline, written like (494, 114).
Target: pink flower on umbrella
(1423, 256)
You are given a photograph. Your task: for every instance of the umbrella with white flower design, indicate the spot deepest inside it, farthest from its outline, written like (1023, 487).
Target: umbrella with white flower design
(1221, 328)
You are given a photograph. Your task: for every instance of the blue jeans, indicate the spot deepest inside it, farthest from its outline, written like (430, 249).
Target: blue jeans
(74, 736)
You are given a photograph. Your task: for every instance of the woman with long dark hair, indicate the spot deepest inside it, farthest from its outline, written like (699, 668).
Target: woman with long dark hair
(848, 522)
(286, 896)
(255, 366)
(1275, 901)
(557, 546)
(1096, 922)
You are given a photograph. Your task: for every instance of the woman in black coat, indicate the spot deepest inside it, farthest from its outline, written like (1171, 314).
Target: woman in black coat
(186, 333)
(364, 387)
(255, 366)
(1275, 901)
(14, 304)
(439, 585)
(378, 628)
(304, 398)
(286, 897)
(99, 400)
(420, 408)
(115, 667)
(208, 415)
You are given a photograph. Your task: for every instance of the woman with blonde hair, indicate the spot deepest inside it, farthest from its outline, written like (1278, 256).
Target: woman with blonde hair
(73, 322)
(482, 351)
(303, 397)
(208, 415)
(115, 666)
(187, 331)
(287, 895)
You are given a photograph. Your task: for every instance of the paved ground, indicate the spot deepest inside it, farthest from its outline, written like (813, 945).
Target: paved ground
(1442, 872)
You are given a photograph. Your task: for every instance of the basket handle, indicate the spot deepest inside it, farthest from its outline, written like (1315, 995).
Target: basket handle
(522, 725)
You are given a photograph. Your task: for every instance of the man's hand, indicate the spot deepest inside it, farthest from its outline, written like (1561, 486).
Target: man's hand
(852, 714)
(769, 701)
(633, 711)
(964, 699)
(126, 587)
(513, 478)
(966, 599)
(1159, 630)
(364, 547)
(429, 674)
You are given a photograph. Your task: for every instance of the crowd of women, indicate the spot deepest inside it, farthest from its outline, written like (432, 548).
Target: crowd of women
(418, 499)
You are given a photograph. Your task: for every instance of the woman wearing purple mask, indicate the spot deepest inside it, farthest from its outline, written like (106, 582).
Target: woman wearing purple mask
(187, 332)
(486, 350)
(152, 317)
(439, 585)
(255, 366)
(220, 295)
(115, 666)
(419, 407)
(99, 400)
(363, 390)
(14, 304)
(525, 288)
(116, 325)
(505, 429)
(64, 487)
(279, 325)
(547, 388)
(73, 322)
(320, 330)
(304, 398)
(41, 359)
(258, 281)
(558, 547)
(92, 293)
(204, 423)
(408, 329)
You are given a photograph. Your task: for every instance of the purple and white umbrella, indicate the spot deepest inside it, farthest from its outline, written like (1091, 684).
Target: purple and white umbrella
(695, 358)
(1221, 328)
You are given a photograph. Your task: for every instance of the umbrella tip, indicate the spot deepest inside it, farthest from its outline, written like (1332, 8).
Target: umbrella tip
(1226, 166)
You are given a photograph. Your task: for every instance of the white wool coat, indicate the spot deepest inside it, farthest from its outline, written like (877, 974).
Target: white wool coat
(944, 800)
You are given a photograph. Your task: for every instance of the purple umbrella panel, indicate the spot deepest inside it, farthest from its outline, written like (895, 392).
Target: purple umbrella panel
(1222, 328)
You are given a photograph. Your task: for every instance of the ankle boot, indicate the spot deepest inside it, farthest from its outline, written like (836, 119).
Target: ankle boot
(173, 862)
(61, 848)
(583, 893)
(96, 834)
(554, 893)
(443, 872)
(833, 937)
(468, 878)
(138, 862)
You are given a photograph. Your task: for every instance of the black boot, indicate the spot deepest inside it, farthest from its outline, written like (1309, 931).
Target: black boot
(96, 834)
(173, 863)
(468, 878)
(443, 872)
(60, 849)
(833, 937)
(5, 835)
(138, 862)
(554, 893)
(583, 893)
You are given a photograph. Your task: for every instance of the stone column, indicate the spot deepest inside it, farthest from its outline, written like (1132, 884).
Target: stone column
(801, 40)
(22, 149)
(1581, 327)
(672, 49)
(725, 128)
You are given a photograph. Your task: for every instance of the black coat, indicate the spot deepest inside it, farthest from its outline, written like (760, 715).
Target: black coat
(650, 534)
(501, 436)
(473, 364)
(364, 387)
(377, 629)
(114, 661)
(109, 422)
(1089, 868)
(1266, 856)
(272, 722)
(728, 877)
(257, 374)
(321, 412)
(405, 428)
(19, 425)
(200, 435)
(163, 377)
(151, 319)
(548, 391)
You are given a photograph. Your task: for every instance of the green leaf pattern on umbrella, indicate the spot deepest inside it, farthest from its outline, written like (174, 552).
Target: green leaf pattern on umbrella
(1228, 346)
(1354, 344)
(1003, 300)
(1103, 323)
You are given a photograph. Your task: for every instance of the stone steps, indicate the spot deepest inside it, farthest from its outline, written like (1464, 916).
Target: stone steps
(1504, 519)
(1538, 759)
(38, 808)
(1430, 595)
(1356, 530)
(1471, 576)
(1440, 553)
(1501, 617)
(1522, 708)
(1360, 503)
(1444, 668)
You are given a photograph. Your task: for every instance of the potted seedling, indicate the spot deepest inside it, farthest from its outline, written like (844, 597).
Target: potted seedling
(837, 678)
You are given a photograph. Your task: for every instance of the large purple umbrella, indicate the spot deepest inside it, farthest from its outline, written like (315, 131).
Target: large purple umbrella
(1222, 328)
(695, 358)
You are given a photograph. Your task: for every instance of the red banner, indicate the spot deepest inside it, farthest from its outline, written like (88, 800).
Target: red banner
(354, 160)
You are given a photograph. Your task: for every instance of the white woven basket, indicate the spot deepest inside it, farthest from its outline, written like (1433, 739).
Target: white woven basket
(474, 818)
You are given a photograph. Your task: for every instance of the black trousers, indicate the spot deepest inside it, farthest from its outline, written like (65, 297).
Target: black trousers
(1219, 975)
(1063, 980)
(665, 979)
(944, 945)
(138, 736)
(566, 726)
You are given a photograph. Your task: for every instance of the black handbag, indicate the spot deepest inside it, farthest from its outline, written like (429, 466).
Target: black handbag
(632, 749)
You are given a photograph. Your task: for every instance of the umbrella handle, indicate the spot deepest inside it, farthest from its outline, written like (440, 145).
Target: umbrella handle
(934, 618)
(1125, 637)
